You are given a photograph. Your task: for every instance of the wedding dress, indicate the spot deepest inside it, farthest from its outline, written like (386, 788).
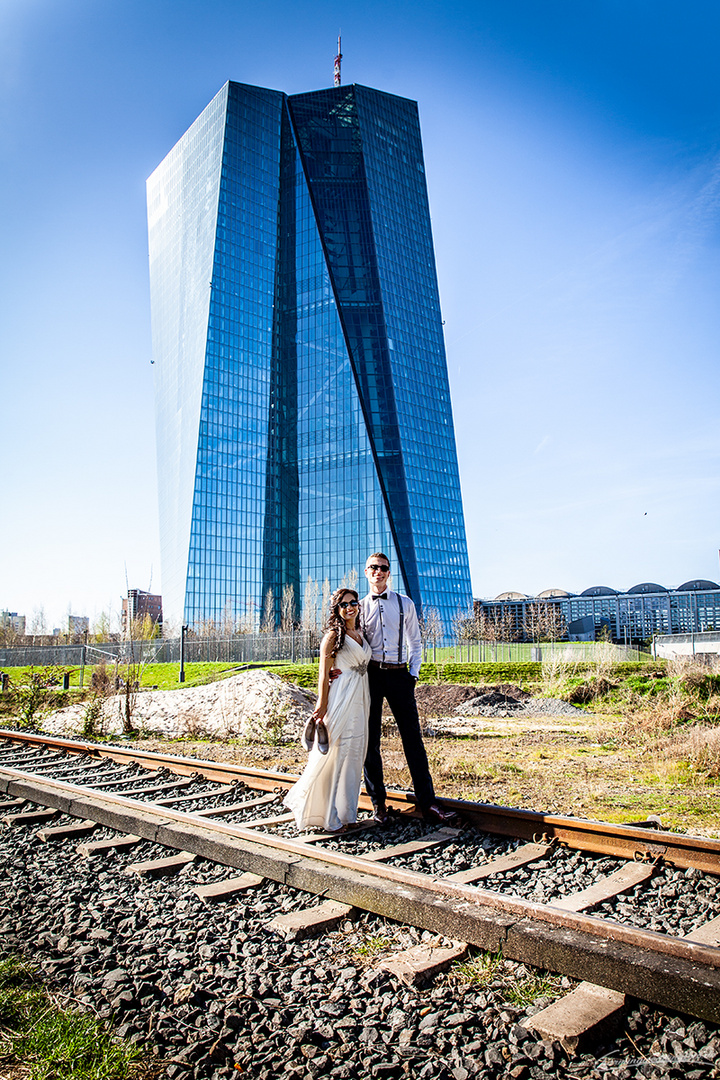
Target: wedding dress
(326, 795)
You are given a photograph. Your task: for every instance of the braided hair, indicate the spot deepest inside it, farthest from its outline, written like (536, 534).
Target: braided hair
(335, 623)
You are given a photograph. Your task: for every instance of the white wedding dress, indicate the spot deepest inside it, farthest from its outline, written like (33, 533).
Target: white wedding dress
(326, 795)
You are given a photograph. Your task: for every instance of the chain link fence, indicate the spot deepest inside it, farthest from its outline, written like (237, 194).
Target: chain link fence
(295, 647)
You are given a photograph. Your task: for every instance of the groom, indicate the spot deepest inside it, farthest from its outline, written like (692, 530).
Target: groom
(390, 625)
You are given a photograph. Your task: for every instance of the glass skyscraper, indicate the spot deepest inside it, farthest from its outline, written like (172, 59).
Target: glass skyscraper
(302, 399)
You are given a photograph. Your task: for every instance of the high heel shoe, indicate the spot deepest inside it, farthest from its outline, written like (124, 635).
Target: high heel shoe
(322, 737)
(308, 735)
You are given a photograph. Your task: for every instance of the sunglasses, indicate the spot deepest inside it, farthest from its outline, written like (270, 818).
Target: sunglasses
(376, 566)
(349, 603)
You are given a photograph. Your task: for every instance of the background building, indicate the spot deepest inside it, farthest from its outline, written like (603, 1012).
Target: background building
(137, 607)
(625, 617)
(78, 625)
(303, 408)
(12, 623)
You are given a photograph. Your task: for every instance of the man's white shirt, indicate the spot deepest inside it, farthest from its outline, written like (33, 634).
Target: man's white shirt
(381, 627)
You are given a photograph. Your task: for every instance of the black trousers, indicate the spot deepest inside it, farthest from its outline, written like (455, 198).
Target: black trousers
(397, 687)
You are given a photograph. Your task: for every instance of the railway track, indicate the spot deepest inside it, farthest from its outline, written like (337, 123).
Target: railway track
(631, 908)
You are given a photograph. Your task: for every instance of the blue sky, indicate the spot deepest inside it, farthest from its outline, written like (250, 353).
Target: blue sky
(573, 162)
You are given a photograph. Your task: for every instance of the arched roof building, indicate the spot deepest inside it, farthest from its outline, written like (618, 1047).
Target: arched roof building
(633, 616)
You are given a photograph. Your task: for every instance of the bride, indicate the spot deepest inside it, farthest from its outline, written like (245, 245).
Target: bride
(326, 795)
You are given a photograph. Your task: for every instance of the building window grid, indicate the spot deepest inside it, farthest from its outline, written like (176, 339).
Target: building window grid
(233, 336)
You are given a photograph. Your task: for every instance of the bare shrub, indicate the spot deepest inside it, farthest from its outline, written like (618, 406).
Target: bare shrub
(591, 690)
(556, 668)
(194, 727)
(100, 680)
(93, 715)
(604, 658)
(698, 746)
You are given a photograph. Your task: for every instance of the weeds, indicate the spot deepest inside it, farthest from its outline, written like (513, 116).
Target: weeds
(34, 694)
(480, 970)
(556, 670)
(92, 713)
(269, 728)
(39, 1030)
(372, 946)
(536, 985)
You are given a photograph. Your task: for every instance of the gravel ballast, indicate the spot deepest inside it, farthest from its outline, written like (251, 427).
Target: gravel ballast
(213, 994)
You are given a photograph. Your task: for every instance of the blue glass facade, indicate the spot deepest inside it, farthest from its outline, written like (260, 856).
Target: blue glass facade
(303, 408)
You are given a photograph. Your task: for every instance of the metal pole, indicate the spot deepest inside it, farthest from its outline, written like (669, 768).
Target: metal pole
(183, 631)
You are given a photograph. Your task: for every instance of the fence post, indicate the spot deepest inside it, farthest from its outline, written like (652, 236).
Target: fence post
(183, 631)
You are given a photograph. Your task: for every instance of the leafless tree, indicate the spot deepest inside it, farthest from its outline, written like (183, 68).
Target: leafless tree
(494, 625)
(350, 580)
(311, 600)
(267, 623)
(325, 604)
(209, 629)
(544, 622)
(432, 629)
(464, 626)
(287, 608)
(38, 622)
(248, 623)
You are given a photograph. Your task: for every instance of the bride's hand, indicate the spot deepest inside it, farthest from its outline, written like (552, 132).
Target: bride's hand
(320, 710)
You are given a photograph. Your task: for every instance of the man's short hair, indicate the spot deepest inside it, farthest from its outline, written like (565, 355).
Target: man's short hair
(377, 555)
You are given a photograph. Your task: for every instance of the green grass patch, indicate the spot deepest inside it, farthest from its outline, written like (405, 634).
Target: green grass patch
(163, 676)
(301, 674)
(41, 1032)
(647, 686)
(538, 985)
(373, 946)
(479, 970)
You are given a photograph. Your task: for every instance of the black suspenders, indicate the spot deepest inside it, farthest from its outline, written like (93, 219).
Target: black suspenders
(400, 629)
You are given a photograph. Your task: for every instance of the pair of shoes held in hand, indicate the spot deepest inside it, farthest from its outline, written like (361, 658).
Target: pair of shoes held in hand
(316, 729)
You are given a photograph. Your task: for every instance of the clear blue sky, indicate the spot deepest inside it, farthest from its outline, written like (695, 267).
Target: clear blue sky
(573, 162)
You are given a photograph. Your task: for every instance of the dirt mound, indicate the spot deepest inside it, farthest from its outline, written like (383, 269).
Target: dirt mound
(255, 705)
(590, 690)
(494, 704)
(443, 699)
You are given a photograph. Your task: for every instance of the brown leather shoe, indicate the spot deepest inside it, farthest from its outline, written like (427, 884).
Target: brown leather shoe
(381, 815)
(438, 815)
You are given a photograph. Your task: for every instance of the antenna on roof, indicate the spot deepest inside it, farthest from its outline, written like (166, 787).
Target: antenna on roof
(338, 61)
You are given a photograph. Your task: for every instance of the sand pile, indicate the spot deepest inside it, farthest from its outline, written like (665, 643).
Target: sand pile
(255, 705)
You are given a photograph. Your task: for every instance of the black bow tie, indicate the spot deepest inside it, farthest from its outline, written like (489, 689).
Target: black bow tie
(379, 596)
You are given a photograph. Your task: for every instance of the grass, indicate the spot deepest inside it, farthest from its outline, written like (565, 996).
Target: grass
(520, 986)
(373, 946)
(480, 970)
(45, 1038)
(162, 676)
(536, 985)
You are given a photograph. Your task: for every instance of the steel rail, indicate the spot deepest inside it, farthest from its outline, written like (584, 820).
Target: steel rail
(670, 971)
(624, 841)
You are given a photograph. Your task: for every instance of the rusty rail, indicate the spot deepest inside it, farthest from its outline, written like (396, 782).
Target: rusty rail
(623, 841)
